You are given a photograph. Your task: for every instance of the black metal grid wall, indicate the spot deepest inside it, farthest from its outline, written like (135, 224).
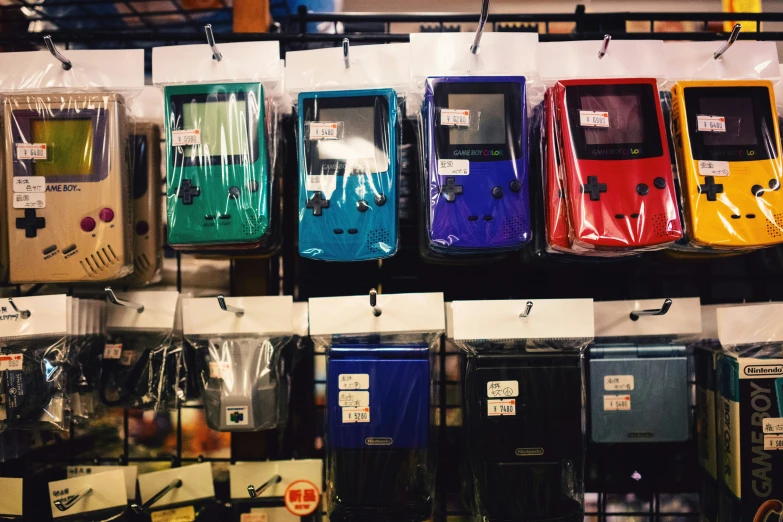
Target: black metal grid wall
(147, 23)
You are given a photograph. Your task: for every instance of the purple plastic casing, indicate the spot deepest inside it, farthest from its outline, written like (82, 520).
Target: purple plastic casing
(477, 219)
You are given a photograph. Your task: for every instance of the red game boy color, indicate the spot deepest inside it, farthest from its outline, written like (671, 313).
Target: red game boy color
(617, 169)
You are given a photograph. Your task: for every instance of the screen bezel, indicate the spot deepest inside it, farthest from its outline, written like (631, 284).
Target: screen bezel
(178, 101)
(22, 132)
(762, 112)
(649, 148)
(336, 167)
(512, 98)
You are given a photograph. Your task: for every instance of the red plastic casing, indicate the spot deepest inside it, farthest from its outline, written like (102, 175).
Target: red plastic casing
(554, 195)
(595, 224)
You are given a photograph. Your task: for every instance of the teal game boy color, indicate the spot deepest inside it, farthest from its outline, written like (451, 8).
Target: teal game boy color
(216, 165)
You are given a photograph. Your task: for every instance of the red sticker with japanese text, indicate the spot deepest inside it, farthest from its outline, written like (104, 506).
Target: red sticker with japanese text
(302, 497)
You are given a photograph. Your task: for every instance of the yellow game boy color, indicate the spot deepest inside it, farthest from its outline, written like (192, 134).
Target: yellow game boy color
(728, 145)
(67, 188)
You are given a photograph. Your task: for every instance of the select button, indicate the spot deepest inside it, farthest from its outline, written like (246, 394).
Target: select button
(48, 250)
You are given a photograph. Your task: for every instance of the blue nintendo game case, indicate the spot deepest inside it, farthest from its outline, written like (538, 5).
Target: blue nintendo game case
(348, 174)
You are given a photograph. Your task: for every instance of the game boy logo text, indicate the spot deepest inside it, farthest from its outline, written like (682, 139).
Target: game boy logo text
(617, 152)
(63, 188)
(734, 152)
(478, 152)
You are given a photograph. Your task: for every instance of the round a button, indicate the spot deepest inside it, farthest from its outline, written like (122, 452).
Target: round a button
(142, 227)
(234, 192)
(380, 200)
(515, 186)
(106, 215)
(253, 186)
(88, 224)
(642, 189)
(362, 206)
(774, 184)
(497, 192)
(659, 183)
(757, 190)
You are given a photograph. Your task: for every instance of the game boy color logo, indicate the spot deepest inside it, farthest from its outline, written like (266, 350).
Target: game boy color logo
(770, 511)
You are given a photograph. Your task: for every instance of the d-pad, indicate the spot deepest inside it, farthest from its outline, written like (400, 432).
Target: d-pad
(30, 223)
(711, 188)
(593, 188)
(187, 192)
(451, 189)
(317, 203)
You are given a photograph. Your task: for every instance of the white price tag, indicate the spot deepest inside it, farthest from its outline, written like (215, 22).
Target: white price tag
(181, 138)
(710, 123)
(502, 389)
(31, 151)
(324, 130)
(497, 407)
(453, 167)
(28, 184)
(112, 351)
(618, 382)
(458, 117)
(32, 200)
(773, 442)
(219, 369)
(11, 362)
(354, 399)
(321, 183)
(617, 403)
(713, 168)
(594, 119)
(126, 359)
(356, 415)
(353, 381)
(253, 517)
(772, 425)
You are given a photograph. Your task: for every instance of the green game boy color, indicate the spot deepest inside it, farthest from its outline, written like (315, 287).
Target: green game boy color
(218, 189)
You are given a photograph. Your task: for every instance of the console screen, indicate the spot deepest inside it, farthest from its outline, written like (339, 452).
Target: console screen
(487, 119)
(69, 144)
(223, 126)
(740, 121)
(357, 148)
(626, 123)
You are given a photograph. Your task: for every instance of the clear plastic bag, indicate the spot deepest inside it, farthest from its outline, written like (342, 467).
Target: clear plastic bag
(724, 126)
(243, 381)
(349, 134)
(521, 364)
(220, 131)
(33, 358)
(144, 364)
(69, 187)
(380, 449)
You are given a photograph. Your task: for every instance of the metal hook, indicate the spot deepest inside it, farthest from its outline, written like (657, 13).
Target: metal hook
(57, 54)
(24, 314)
(65, 505)
(239, 312)
(667, 303)
(121, 302)
(732, 38)
(216, 55)
(346, 47)
(374, 303)
(604, 46)
(254, 492)
(528, 307)
(474, 48)
(175, 484)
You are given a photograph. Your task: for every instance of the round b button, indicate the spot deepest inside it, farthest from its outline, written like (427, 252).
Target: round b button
(87, 224)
